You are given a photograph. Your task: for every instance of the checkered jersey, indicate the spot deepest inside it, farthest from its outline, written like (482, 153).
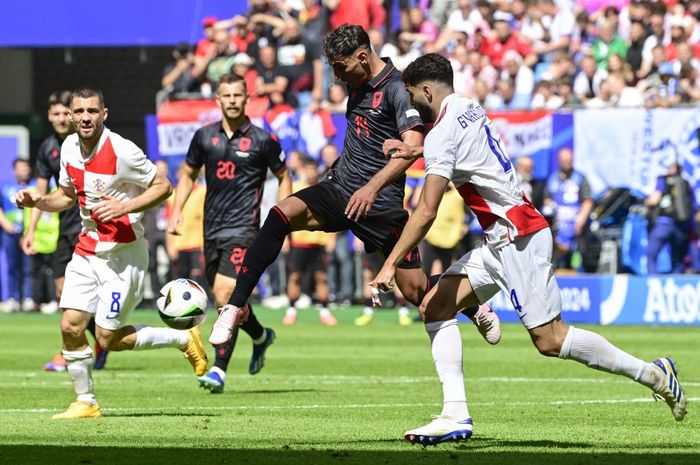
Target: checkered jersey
(118, 168)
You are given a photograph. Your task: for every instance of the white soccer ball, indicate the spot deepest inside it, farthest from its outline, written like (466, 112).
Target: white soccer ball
(182, 304)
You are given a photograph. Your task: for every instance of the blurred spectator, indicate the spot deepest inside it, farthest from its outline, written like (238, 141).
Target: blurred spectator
(505, 89)
(369, 14)
(299, 63)
(671, 214)
(464, 20)
(562, 66)
(635, 46)
(205, 44)
(403, 53)
(559, 24)
(666, 93)
(337, 99)
(177, 75)
(533, 188)
(243, 66)
(266, 23)
(569, 195)
(521, 74)
(19, 287)
(603, 99)
(654, 39)
(313, 20)
(241, 37)
(623, 95)
(564, 89)
(678, 36)
(155, 223)
(608, 43)
(587, 81)
(270, 81)
(185, 249)
(439, 248)
(531, 27)
(217, 62)
(545, 96)
(470, 66)
(421, 30)
(584, 35)
(307, 254)
(504, 39)
(617, 65)
(484, 97)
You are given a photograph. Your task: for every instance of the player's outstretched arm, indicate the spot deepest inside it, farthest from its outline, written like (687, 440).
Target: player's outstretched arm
(415, 230)
(61, 199)
(285, 184)
(361, 201)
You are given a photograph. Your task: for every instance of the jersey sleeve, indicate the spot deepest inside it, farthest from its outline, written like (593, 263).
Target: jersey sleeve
(439, 153)
(274, 155)
(195, 154)
(134, 167)
(42, 169)
(406, 116)
(63, 176)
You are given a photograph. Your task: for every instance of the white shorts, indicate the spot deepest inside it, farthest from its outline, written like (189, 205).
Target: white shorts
(522, 269)
(109, 285)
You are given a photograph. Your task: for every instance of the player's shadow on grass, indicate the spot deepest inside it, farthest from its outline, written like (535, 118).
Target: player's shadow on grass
(276, 391)
(327, 454)
(489, 443)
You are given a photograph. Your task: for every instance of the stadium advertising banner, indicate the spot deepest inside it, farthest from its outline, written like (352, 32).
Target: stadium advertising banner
(630, 148)
(621, 300)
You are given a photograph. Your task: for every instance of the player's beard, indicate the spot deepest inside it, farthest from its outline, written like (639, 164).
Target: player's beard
(425, 111)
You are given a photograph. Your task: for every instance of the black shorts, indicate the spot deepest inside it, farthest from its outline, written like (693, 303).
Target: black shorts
(379, 230)
(307, 259)
(63, 254)
(223, 256)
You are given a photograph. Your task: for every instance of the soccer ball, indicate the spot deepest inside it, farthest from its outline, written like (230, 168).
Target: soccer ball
(182, 304)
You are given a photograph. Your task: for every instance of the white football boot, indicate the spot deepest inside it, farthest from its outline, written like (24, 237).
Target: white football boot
(441, 429)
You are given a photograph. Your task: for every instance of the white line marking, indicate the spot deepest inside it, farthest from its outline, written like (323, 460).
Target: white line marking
(166, 410)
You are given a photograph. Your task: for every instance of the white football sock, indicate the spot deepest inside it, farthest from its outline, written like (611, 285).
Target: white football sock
(446, 342)
(148, 337)
(597, 352)
(79, 366)
(291, 311)
(323, 311)
(368, 311)
(403, 311)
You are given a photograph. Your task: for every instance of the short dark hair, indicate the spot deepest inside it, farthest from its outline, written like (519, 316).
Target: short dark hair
(19, 160)
(60, 97)
(231, 78)
(342, 41)
(430, 67)
(88, 92)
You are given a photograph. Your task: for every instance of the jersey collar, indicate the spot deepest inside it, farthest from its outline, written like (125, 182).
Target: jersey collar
(242, 129)
(379, 78)
(97, 148)
(443, 106)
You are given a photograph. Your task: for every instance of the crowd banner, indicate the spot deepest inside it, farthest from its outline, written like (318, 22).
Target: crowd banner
(179, 119)
(630, 148)
(621, 300)
(526, 133)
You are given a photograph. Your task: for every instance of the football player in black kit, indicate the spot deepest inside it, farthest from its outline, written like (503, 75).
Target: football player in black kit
(48, 165)
(236, 156)
(363, 191)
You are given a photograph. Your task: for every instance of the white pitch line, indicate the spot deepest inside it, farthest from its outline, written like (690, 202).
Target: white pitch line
(189, 408)
(114, 378)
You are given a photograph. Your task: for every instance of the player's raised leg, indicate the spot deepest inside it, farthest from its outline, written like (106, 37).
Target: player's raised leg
(290, 214)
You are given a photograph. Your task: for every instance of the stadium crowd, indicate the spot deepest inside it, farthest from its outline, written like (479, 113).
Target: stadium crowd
(517, 54)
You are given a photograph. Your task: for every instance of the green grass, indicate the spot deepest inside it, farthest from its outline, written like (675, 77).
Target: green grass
(343, 395)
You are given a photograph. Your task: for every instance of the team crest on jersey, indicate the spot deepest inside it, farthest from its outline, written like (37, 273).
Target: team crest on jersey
(55, 153)
(99, 185)
(215, 140)
(377, 99)
(244, 144)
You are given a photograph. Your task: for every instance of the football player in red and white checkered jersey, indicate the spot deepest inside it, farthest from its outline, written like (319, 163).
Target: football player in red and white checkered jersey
(114, 183)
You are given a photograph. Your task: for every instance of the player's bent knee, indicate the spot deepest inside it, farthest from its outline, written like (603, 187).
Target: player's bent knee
(108, 340)
(70, 330)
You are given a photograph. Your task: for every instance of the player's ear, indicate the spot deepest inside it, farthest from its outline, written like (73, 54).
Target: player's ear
(105, 112)
(428, 92)
(362, 56)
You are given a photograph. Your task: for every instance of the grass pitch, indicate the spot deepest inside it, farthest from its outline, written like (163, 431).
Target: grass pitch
(344, 395)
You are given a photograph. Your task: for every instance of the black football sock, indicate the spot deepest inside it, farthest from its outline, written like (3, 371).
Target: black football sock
(265, 248)
(252, 326)
(470, 311)
(225, 351)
